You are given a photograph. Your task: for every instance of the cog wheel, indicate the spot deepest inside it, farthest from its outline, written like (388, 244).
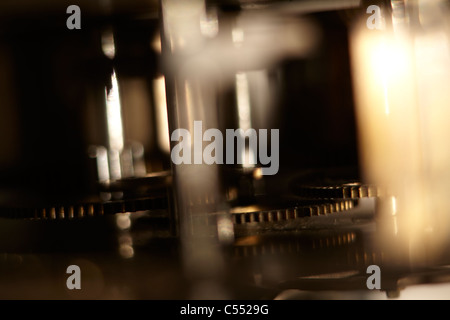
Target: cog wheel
(246, 215)
(137, 194)
(351, 190)
(82, 210)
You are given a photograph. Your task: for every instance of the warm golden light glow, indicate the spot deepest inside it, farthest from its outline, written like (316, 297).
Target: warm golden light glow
(108, 45)
(162, 122)
(114, 115)
(401, 82)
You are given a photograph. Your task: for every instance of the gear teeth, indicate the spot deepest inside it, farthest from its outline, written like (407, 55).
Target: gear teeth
(279, 215)
(80, 211)
(354, 190)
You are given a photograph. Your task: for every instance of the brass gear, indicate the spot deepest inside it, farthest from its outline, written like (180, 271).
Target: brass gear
(349, 190)
(88, 209)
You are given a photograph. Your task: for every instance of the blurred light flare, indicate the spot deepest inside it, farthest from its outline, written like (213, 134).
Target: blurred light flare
(114, 115)
(162, 122)
(126, 250)
(123, 220)
(209, 23)
(108, 45)
(401, 90)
